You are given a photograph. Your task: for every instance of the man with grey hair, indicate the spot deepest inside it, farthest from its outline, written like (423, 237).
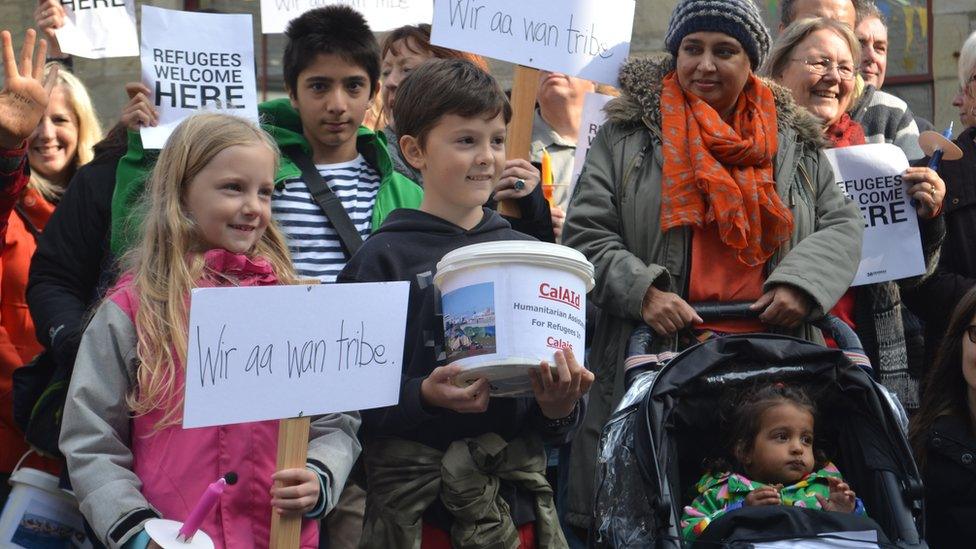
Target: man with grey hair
(872, 33)
(884, 117)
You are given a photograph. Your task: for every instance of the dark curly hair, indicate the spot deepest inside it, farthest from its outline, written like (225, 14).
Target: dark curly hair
(742, 419)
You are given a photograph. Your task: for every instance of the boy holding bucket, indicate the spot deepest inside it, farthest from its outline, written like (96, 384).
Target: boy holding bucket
(448, 464)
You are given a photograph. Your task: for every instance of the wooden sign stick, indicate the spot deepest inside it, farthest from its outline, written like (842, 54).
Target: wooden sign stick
(524, 88)
(286, 531)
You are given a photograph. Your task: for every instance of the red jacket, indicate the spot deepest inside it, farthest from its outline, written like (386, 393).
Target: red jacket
(18, 344)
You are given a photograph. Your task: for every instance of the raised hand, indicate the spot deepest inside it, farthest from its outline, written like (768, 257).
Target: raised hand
(24, 97)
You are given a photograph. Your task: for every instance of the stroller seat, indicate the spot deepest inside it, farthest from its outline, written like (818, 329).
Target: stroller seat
(653, 447)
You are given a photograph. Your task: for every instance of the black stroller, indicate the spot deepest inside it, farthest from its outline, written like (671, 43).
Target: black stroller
(653, 446)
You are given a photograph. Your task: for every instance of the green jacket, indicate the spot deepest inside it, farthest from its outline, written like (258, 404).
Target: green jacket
(282, 123)
(614, 220)
(726, 492)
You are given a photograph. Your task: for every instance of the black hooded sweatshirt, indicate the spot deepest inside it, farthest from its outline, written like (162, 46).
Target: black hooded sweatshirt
(408, 247)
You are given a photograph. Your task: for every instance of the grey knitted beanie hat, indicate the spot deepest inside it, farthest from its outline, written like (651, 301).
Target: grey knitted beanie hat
(739, 19)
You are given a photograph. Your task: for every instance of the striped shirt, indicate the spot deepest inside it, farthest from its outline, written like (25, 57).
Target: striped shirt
(316, 250)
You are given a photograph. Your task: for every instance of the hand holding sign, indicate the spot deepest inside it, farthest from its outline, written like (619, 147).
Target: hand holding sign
(49, 16)
(23, 98)
(139, 111)
(877, 178)
(927, 190)
(296, 491)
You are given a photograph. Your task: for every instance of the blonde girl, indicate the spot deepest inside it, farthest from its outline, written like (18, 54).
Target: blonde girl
(208, 223)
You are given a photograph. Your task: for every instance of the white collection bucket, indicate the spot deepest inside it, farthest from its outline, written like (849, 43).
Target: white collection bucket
(40, 514)
(509, 305)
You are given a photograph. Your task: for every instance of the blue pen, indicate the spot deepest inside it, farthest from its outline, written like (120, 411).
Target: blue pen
(937, 153)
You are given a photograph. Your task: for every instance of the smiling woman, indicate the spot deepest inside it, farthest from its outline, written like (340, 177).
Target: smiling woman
(701, 186)
(817, 58)
(47, 129)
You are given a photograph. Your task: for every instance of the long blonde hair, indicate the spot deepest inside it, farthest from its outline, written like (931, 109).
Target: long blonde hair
(169, 262)
(89, 130)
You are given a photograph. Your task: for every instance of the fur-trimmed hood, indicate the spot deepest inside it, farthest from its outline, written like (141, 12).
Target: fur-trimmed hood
(640, 100)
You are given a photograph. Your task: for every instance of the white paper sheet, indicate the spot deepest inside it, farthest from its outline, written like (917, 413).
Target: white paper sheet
(871, 175)
(98, 29)
(581, 38)
(590, 122)
(275, 352)
(382, 15)
(196, 62)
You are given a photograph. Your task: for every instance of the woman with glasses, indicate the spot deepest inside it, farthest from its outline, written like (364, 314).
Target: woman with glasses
(706, 183)
(817, 60)
(957, 265)
(943, 434)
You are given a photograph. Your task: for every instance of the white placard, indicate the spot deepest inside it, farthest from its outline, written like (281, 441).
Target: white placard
(382, 15)
(276, 352)
(581, 38)
(97, 29)
(871, 175)
(593, 117)
(196, 62)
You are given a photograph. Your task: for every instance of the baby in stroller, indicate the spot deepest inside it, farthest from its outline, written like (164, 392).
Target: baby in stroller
(771, 461)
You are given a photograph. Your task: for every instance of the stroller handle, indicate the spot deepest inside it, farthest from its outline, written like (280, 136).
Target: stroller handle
(639, 344)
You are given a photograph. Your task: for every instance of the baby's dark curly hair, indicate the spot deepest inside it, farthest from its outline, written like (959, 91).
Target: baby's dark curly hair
(742, 418)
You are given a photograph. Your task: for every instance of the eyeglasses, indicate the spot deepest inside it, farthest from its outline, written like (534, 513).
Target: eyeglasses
(823, 66)
(971, 332)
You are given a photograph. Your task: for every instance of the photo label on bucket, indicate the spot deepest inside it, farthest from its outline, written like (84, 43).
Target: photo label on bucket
(510, 305)
(469, 321)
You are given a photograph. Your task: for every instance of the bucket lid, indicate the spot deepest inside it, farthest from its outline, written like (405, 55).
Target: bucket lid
(35, 478)
(543, 254)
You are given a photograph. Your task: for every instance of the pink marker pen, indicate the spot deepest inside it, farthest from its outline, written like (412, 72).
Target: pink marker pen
(203, 507)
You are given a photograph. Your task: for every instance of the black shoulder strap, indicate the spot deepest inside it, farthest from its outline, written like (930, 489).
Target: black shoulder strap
(31, 227)
(327, 200)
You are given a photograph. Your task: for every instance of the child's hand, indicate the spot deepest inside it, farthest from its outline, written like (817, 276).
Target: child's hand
(153, 545)
(842, 498)
(298, 493)
(557, 397)
(438, 390)
(767, 495)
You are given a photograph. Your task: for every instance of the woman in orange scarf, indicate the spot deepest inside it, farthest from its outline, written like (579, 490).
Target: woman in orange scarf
(706, 183)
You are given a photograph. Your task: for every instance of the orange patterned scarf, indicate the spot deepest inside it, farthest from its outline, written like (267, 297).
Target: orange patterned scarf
(715, 171)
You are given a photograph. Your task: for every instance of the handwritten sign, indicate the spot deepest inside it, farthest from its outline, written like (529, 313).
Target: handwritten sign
(196, 62)
(580, 38)
(382, 15)
(275, 352)
(871, 175)
(97, 29)
(591, 120)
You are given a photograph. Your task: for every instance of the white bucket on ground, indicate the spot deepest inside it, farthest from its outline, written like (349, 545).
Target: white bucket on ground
(509, 305)
(40, 514)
